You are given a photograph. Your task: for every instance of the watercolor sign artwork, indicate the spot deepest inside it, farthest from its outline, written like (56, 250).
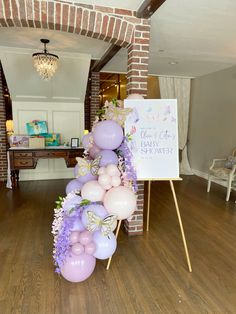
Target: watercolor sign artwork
(153, 131)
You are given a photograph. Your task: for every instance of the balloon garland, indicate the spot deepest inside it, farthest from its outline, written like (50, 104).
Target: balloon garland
(102, 193)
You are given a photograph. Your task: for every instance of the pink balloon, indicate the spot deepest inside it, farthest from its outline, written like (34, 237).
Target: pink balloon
(112, 170)
(104, 179)
(120, 201)
(92, 191)
(107, 187)
(77, 249)
(85, 237)
(74, 237)
(90, 248)
(102, 170)
(94, 150)
(115, 181)
(77, 268)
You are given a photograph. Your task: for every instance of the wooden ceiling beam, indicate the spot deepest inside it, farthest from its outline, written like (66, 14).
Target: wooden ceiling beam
(148, 8)
(109, 54)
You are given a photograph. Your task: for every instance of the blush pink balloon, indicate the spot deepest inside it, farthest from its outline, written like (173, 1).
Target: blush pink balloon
(120, 201)
(112, 170)
(77, 268)
(77, 249)
(92, 191)
(102, 170)
(115, 181)
(74, 237)
(90, 248)
(85, 237)
(104, 179)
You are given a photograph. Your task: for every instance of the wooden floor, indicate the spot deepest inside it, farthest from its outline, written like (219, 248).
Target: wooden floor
(148, 273)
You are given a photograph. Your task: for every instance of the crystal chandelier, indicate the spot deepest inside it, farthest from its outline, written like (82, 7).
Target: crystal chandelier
(45, 62)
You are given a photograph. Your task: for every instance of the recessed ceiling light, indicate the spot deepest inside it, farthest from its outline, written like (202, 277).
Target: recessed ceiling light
(161, 50)
(173, 62)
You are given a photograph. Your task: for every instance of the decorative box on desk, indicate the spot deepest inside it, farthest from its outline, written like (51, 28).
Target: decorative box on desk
(27, 158)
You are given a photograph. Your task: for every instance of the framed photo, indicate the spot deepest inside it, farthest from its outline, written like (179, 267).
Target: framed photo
(74, 142)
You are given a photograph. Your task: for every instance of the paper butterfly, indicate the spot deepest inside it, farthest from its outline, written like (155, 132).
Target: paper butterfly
(117, 114)
(86, 166)
(95, 222)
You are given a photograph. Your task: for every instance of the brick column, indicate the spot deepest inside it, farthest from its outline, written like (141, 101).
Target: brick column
(3, 136)
(137, 74)
(94, 101)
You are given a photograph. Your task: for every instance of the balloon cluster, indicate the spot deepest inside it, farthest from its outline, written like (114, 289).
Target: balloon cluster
(86, 218)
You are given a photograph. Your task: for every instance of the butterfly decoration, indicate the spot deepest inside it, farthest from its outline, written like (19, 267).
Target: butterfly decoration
(117, 114)
(95, 222)
(86, 166)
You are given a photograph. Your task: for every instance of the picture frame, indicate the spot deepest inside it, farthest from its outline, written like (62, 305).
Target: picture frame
(74, 142)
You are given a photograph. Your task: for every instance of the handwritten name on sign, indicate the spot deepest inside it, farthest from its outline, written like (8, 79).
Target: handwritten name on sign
(152, 127)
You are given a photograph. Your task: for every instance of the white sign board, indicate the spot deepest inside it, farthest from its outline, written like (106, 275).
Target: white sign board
(154, 137)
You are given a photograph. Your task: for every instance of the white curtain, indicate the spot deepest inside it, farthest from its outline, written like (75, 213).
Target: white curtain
(173, 87)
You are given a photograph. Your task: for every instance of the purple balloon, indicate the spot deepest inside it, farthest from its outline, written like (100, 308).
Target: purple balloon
(94, 150)
(86, 141)
(78, 226)
(105, 247)
(90, 248)
(108, 157)
(86, 178)
(108, 134)
(77, 249)
(99, 210)
(77, 268)
(73, 186)
(71, 203)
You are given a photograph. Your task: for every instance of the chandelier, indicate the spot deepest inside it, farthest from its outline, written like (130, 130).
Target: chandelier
(45, 62)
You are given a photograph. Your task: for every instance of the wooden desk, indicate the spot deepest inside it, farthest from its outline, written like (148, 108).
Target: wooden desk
(27, 158)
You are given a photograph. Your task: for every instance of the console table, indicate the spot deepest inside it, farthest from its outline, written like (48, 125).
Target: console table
(27, 158)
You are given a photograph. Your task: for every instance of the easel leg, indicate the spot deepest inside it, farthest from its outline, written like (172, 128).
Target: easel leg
(148, 204)
(181, 226)
(117, 232)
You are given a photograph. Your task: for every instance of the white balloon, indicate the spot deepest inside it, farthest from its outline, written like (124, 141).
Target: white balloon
(104, 179)
(102, 170)
(93, 191)
(120, 201)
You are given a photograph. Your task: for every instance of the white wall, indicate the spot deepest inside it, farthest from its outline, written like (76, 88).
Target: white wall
(64, 118)
(212, 127)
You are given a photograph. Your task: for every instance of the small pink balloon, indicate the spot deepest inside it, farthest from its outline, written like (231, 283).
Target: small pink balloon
(85, 237)
(92, 191)
(74, 237)
(90, 248)
(104, 179)
(77, 248)
(115, 181)
(102, 170)
(107, 187)
(112, 170)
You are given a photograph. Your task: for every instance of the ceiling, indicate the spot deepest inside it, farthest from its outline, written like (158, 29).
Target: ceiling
(198, 35)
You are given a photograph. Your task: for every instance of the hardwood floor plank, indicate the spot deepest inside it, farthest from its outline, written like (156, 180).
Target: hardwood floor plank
(148, 273)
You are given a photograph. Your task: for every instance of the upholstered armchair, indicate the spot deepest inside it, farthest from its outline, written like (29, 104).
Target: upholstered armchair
(223, 169)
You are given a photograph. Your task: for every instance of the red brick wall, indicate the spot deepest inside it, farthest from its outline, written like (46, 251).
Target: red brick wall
(3, 139)
(137, 74)
(94, 100)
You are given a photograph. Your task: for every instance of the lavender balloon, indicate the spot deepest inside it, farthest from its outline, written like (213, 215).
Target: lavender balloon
(77, 268)
(105, 247)
(73, 186)
(86, 140)
(78, 225)
(108, 157)
(93, 151)
(108, 134)
(72, 202)
(99, 210)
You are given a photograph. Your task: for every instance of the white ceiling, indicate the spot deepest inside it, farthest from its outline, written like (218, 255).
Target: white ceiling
(199, 35)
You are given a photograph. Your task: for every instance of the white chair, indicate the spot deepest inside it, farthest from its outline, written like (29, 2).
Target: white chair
(221, 172)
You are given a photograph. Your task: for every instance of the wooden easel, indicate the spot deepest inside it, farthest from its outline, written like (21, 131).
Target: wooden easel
(178, 215)
(148, 218)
